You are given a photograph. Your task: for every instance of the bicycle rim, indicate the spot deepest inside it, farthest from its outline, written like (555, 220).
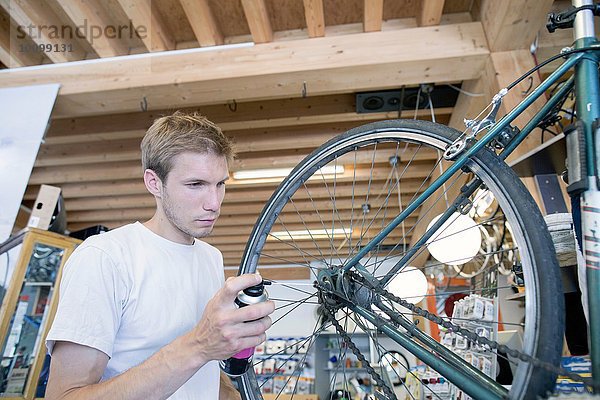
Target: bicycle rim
(338, 199)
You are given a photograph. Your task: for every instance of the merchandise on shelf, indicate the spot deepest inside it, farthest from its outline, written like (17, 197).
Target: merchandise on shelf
(579, 365)
(282, 366)
(422, 383)
(477, 314)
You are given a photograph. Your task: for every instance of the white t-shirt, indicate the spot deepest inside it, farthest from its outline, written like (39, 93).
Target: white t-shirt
(129, 292)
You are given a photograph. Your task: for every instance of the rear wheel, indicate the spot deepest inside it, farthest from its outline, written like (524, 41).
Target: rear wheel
(340, 197)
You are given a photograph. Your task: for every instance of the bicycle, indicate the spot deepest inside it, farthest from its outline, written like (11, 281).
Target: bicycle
(376, 230)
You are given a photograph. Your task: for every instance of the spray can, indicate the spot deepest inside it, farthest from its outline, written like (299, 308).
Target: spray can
(240, 363)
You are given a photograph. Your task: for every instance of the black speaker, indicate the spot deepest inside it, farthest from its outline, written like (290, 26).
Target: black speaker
(407, 99)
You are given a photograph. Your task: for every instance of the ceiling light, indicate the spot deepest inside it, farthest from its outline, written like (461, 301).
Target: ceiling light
(456, 242)
(266, 173)
(310, 234)
(409, 284)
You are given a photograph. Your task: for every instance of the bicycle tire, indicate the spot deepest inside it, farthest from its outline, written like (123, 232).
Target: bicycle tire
(543, 330)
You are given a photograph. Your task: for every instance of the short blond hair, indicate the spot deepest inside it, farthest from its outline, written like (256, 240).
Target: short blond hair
(178, 133)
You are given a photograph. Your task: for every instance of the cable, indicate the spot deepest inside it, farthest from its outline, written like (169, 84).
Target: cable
(548, 61)
(401, 103)
(470, 94)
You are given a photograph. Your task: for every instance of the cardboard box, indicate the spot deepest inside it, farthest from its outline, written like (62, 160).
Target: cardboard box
(43, 208)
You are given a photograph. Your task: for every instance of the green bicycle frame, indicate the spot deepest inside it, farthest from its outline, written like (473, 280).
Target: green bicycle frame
(466, 156)
(588, 110)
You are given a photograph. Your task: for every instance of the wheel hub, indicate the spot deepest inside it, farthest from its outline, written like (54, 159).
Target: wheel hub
(337, 289)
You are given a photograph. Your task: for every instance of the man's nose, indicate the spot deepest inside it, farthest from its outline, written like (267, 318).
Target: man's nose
(213, 200)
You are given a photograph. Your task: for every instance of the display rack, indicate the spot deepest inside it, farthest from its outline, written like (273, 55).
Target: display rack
(333, 358)
(28, 307)
(476, 314)
(284, 366)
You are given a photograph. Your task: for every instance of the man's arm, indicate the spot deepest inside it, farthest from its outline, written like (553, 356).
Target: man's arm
(76, 370)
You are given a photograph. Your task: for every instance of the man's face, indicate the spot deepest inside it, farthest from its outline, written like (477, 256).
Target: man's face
(193, 193)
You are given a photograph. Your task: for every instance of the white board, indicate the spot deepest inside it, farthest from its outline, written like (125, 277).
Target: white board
(24, 117)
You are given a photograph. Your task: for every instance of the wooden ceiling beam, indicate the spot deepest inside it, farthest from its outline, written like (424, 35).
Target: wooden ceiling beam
(248, 140)
(258, 20)
(127, 170)
(56, 137)
(218, 241)
(233, 249)
(304, 244)
(268, 114)
(327, 65)
(123, 188)
(288, 215)
(225, 220)
(149, 24)
(373, 15)
(91, 12)
(278, 274)
(250, 112)
(234, 243)
(350, 28)
(301, 257)
(15, 51)
(36, 19)
(228, 208)
(245, 143)
(513, 24)
(269, 265)
(252, 153)
(256, 160)
(430, 12)
(203, 22)
(315, 18)
(232, 197)
(135, 186)
(371, 227)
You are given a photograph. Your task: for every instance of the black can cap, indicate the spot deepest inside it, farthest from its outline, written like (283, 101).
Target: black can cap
(257, 290)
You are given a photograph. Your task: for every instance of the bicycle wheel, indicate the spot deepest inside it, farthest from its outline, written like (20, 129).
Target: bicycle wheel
(339, 198)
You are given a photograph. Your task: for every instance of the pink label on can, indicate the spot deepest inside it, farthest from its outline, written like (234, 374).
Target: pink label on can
(246, 353)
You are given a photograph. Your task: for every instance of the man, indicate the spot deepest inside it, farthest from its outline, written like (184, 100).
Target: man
(143, 310)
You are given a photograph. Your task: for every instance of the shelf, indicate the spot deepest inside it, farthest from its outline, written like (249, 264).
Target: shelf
(345, 369)
(274, 355)
(273, 396)
(337, 350)
(516, 297)
(547, 158)
(38, 284)
(327, 333)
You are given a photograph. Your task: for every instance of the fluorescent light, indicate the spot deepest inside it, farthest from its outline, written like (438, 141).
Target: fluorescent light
(262, 173)
(310, 234)
(267, 173)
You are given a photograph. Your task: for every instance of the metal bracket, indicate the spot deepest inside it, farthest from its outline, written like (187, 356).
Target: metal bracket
(474, 127)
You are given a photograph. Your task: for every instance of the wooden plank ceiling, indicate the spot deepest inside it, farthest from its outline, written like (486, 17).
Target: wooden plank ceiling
(279, 76)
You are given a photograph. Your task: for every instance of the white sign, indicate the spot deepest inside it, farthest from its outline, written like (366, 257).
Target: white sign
(25, 113)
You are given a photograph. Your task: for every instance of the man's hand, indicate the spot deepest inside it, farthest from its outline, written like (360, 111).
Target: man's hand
(224, 329)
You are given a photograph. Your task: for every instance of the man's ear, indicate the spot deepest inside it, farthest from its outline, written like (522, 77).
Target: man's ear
(153, 183)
